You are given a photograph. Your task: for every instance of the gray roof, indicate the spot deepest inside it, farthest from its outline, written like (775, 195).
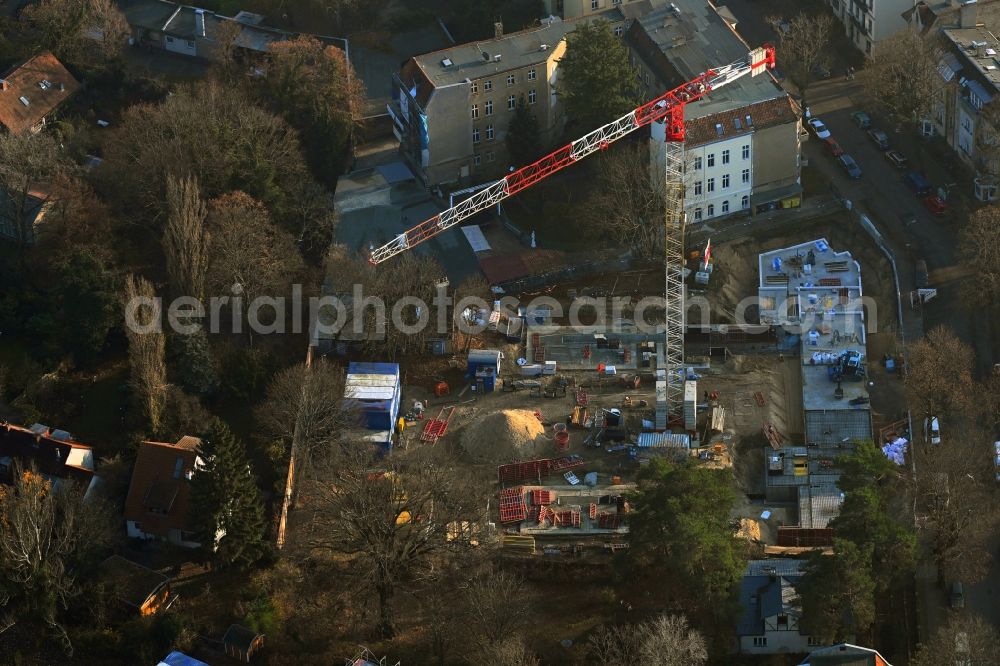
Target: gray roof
(819, 504)
(697, 39)
(988, 16)
(768, 589)
(469, 61)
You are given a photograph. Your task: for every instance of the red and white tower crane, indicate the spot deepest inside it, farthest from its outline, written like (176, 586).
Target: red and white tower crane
(667, 108)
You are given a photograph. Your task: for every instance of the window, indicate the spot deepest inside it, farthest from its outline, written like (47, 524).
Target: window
(616, 2)
(725, 181)
(697, 214)
(725, 206)
(619, 29)
(745, 202)
(178, 467)
(760, 641)
(510, 80)
(745, 176)
(190, 537)
(475, 111)
(489, 137)
(711, 160)
(725, 156)
(697, 188)
(697, 163)
(782, 622)
(487, 85)
(531, 74)
(477, 159)
(532, 96)
(511, 103)
(489, 107)
(137, 525)
(814, 641)
(711, 184)
(595, 4)
(475, 135)
(490, 156)
(474, 87)
(746, 151)
(711, 210)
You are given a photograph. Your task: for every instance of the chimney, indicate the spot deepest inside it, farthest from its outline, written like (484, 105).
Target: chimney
(498, 30)
(967, 14)
(4, 85)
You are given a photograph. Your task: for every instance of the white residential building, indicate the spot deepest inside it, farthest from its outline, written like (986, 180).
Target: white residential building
(867, 22)
(771, 609)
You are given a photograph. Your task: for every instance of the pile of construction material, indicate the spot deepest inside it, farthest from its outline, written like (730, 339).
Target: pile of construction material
(503, 436)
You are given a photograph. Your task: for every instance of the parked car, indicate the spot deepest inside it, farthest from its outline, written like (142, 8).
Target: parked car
(861, 119)
(936, 205)
(819, 129)
(850, 166)
(932, 430)
(834, 147)
(896, 159)
(821, 71)
(920, 274)
(917, 183)
(957, 597)
(879, 138)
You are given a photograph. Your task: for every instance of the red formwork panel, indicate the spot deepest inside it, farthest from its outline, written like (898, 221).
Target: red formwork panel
(535, 469)
(512, 506)
(609, 521)
(566, 518)
(539, 497)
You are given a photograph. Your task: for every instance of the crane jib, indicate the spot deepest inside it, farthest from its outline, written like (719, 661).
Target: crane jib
(668, 107)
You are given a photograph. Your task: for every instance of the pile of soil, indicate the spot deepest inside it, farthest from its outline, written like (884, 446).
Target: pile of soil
(504, 436)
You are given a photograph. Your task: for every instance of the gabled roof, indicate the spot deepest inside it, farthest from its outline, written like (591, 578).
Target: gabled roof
(744, 120)
(240, 637)
(845, 654)
(52, 452)
(43, 82)
(159, 494)
(132, 583)
(768, 589)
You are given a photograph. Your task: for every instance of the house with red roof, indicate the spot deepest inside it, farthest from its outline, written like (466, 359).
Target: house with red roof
(158, 502)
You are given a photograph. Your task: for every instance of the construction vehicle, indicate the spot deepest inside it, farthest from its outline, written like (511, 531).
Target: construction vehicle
(668, 109)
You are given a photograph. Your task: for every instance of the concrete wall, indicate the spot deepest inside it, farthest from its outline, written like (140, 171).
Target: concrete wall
(775, 157)
(449, 134)
(173, 536)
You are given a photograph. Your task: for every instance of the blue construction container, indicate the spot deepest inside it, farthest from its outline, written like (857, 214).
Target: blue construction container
(373, 389)
(489, 378)
(480, 358)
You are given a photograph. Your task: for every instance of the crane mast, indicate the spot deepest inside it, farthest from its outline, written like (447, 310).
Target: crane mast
(667, 108)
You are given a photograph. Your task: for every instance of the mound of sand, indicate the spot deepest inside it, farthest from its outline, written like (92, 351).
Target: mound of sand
(504, 436)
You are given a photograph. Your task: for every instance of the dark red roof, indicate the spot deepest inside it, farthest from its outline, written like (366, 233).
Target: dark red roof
(44, 82)
(771, 113)
(158, 497)
(49, 455)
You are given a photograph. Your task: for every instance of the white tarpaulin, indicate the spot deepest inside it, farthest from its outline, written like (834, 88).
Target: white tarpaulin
(476, 238)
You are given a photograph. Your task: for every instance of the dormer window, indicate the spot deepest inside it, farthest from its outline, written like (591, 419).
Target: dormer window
(178, 467)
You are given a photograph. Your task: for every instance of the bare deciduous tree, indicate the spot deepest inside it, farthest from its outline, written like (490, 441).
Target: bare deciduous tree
(390, 518)
(979, 243)
(511, 651)
(803, 46)
(301, 403)
(46, 533)
(249, 252)
(628, 208)
(146, 355)
(666, 640)
(78, 30)
(963, 639)
(29, 166)
(940, 374)
(902, 76)
(185, 239)
(498, 606)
